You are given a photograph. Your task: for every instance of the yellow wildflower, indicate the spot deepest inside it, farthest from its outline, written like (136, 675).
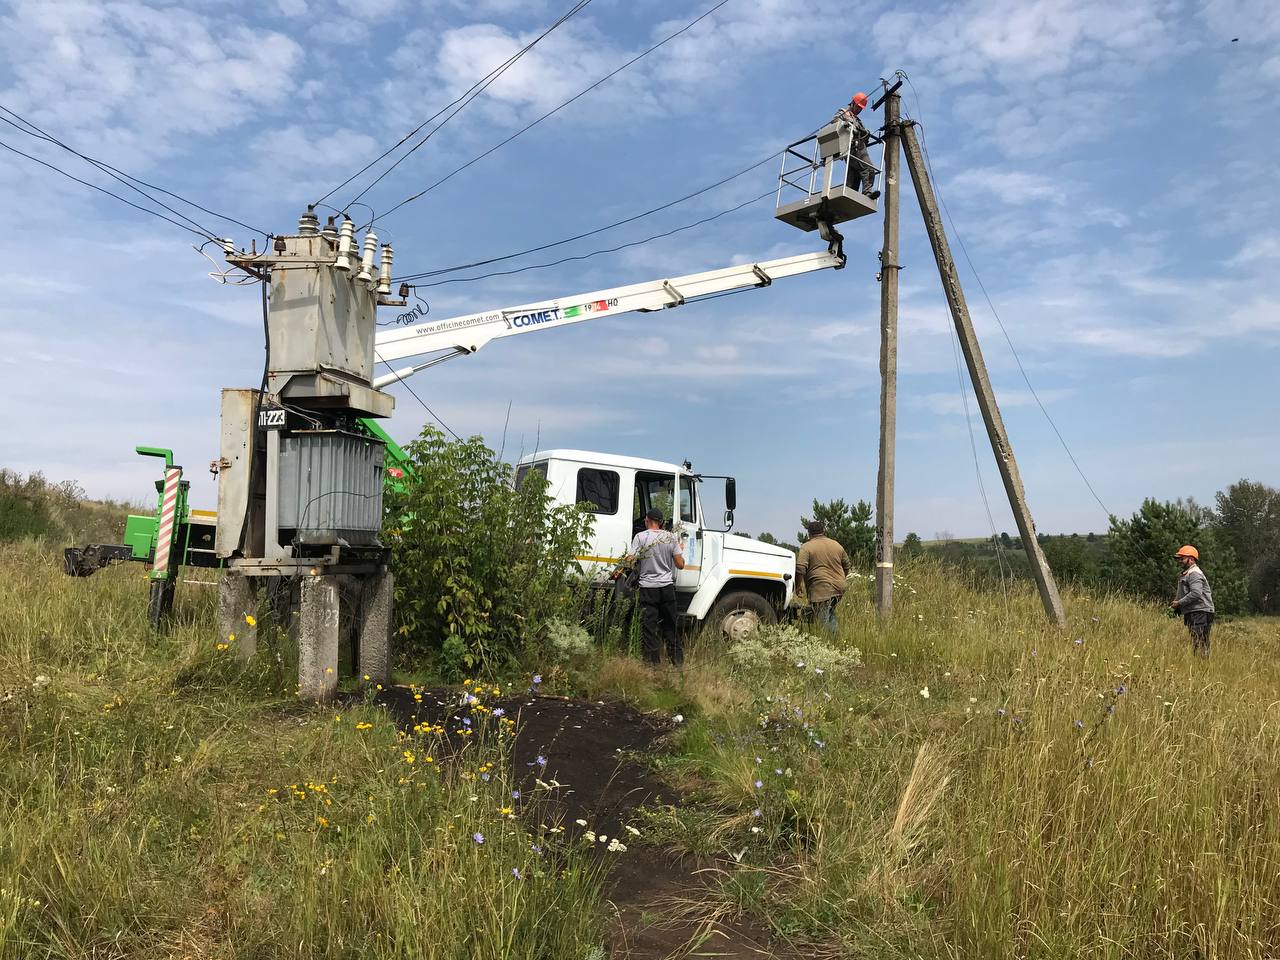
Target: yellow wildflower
(222, 646)
(231, 638)
(250, 620)
(363, 726)
(408, 756)
(322, 821)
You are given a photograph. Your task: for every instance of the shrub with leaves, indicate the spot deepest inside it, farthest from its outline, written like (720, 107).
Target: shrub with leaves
(481, 566)
(785, 645)
(568, 641)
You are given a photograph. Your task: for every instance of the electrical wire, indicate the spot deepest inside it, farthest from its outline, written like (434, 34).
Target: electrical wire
(461, 103)
(94, 186)
(529, 126)
(415, 396)
(589, 233)
(991, 305)
(595, 253)
(123, 177)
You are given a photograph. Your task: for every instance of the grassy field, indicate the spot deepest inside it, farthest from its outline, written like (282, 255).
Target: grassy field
(986, 786)
(965, 783)
(162, 802)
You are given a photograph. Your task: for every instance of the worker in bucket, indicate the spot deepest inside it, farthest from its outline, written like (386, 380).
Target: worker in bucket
(859, 175)
(657, 555)
(823, 567)
(1194, 599)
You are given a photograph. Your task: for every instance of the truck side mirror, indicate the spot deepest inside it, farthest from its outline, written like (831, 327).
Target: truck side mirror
(731, 494)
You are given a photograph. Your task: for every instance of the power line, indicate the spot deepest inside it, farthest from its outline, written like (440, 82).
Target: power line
(461, 103)
(1000, 323)
(94, 186)
(589, 233)
(596, 253)
(414, 393)
(41, 134)
(688, 26)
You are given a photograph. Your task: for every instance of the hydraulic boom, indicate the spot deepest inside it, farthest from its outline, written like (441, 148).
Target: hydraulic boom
(458, 336)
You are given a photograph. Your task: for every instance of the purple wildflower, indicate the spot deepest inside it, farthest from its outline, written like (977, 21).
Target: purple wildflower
(1000, 711)
(478, 837)
(485, 777)
(535, 848)
(755, 812)
(515, 872)
(537, 679)
(499, 712)
(515, 794)
(759, 784)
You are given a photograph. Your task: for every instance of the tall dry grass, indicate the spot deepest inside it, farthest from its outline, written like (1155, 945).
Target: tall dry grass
(988, 786)
(162, 801)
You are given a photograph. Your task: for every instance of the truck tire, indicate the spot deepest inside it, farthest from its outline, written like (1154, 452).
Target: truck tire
(736, 614)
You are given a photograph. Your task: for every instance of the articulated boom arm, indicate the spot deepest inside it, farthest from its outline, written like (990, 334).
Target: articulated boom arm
(467, 334)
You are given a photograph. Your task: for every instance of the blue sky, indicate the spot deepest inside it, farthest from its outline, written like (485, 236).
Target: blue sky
(1109, 167)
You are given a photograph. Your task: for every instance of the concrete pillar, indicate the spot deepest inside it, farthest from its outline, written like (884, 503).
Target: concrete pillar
(376, 605)
(236, 603)
(319, 603)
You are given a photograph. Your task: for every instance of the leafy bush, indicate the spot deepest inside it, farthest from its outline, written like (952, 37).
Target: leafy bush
(481, 566)
(785, 645)
(34, 507)
(568, 641)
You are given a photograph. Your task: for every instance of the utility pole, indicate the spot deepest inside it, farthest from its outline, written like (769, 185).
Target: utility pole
(978, 374)
(889, 268)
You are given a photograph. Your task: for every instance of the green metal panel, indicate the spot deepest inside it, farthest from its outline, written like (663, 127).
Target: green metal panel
(396, 457)
(140, 536)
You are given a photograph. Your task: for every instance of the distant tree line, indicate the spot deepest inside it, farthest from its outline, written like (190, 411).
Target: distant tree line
(1238, 539)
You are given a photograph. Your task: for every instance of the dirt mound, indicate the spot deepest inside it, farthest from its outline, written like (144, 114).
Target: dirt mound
(594, 750)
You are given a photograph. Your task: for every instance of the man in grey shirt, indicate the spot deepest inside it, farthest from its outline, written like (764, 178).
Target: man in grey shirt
(658, 555)
(1194, 600)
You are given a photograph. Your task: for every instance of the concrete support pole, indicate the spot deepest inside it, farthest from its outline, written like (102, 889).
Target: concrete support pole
(377, 602)
(889, 268)
(236, 603)
(981, 382)
(319, 607)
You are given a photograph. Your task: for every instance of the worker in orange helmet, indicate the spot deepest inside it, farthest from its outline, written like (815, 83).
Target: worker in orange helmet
(859, 175)
(1194, 599)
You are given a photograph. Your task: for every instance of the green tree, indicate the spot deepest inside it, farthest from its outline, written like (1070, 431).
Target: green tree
(1142, 548)
(481, 567)
(851, 527)
(912, 546)
(1248, 519)
(1070, 560)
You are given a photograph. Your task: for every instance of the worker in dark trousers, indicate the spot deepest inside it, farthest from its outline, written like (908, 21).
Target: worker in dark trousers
(859, 175)
(823, 567)
(1194, 600)
(657, 554)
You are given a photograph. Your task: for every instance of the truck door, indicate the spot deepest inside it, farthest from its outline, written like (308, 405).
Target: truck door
(685, 526)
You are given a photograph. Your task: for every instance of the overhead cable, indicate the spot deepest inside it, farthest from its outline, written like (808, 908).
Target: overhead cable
(117, 174)
(589, 233)
(94, 186)
(461, 103)
(529, 126)
(596, 253)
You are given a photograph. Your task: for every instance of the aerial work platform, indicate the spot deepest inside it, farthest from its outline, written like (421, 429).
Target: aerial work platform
(812, 185)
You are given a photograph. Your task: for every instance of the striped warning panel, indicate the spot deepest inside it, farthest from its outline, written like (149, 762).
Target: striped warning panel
(164, 534)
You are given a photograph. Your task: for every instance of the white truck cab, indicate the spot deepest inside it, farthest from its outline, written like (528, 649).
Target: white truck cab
(728, 582)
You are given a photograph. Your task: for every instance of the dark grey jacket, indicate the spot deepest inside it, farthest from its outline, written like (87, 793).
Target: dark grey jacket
(1193, 593)
(860, 132)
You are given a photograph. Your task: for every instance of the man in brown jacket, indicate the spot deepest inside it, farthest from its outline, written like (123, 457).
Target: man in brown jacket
(823, 567)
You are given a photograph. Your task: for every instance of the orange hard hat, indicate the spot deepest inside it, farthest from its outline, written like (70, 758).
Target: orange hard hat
(859, 100)
(1188, 551)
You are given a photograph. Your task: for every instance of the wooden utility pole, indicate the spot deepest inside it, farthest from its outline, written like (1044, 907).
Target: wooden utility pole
(978, 374)
(889, 268)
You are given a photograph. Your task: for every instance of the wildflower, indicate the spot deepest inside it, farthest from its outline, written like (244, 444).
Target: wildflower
(408, 756)
(231, 638)
(1088, 764)
(1120, 690)
(581, 823)
(322, 821)
(537, 679)
(631, 830)
(249, 619)
(541, 761)
(485, 777)
(973, 699)
(222, 646)
(505, 811)
(515, 794)
(364, 726)
(478, 837)
(515, 872)
(756, 812)
(819, 671)
(925, 693)
(800, 665)
(755, 829)
(759, 784)
(499, 712)
(1079, 641)
(615, 845)
(535, 848)
(1078, 724)
(328, 669)
(678, 718)
(1000, 711)
(590, 836)
(366, 677)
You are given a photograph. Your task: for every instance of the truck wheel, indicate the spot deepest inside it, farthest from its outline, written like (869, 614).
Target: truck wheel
(737, 614)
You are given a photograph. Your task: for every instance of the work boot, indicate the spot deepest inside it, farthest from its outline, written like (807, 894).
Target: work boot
(872, 194)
